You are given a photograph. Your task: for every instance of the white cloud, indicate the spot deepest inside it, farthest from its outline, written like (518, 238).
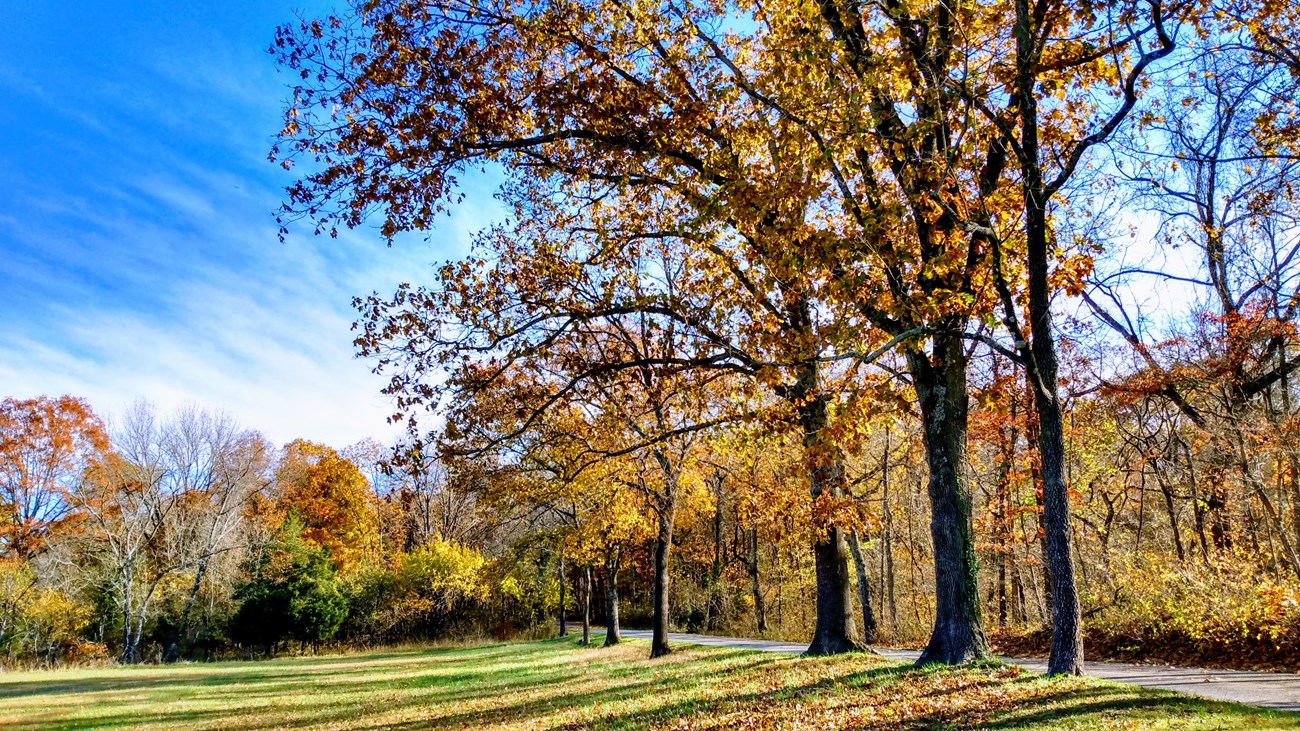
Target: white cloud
(144, 249)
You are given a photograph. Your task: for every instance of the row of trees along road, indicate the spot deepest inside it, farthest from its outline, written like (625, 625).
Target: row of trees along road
(735, 212)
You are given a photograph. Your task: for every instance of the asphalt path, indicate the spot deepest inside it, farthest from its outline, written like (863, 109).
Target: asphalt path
(1266, 690)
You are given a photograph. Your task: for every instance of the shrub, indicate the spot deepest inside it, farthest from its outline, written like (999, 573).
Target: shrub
(1228, 611)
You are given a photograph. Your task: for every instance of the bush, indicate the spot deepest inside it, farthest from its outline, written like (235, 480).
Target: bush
(424, 595)
(1227, 613)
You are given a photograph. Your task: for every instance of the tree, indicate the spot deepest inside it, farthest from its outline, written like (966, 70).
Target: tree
(331, 497)
(45, 445)
(1048, 153)
(736, 165)
(130, 502)
(292, 592)
(219, 468)
(652, 415)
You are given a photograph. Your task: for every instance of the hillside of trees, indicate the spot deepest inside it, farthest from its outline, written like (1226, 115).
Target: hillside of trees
(929, 323)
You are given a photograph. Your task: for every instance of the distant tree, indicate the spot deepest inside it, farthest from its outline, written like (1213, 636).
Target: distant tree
(45, 444)
(292, 592)
(220, 467)
(130, 501)
(331, 497)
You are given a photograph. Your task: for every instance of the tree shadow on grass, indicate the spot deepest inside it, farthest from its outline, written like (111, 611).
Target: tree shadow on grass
(316, 668)
(1123, 706)
(1099, 707)
(555, 684)
(253, 695)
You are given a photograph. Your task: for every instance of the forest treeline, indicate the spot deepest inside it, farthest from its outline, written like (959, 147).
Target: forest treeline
(827, 320)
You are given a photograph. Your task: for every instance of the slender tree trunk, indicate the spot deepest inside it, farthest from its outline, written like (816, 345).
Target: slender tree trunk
(887, 542)
(1067, 634)
(1008, 439)
(1175, 533)
(1001, 592)
(564, 627)
(172, 653)
(958, 634)
(1019, 606)
(864, 591)
(1216, 504)
(1271, 513)
(916, 572)
(1198, 512)
(1041, 366)
(586, 606)
(128, 641)
(128, 618)
(659, 600)
(755, 586)
(612, 635)
(714, 608)
(1036, 477)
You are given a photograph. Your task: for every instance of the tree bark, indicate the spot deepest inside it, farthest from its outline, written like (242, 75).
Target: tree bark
(833, 629)
(864, 591)
(1041, 366)
(172, 653)
(958, 634)
(586, 606)
(1036, 478)
(714, 608)
(755, 586)
(128, 618)
(659, 600)
(1176, 534)
(564, 628)
(612, 635)
(887, 543)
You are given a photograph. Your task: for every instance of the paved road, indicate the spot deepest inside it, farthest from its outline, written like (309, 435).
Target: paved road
(1267, 690)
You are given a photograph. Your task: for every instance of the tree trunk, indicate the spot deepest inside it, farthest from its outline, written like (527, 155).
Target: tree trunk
(586, 606)
(755, 586)
(1216, 505)
(1198, 512)
(864, 591)
(714, 608)
(1009, 439)
(1175, 533)
(172, 653)
(1036, 477)
(612, 635)
(887, 544)
(958, 634)
(1041, 366)
(659, 600)
(128, 617)
(564, 628)
(128, 640)
(833, 629)
(1067, 637)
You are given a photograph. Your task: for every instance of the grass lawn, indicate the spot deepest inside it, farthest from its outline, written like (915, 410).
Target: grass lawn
(554, 684)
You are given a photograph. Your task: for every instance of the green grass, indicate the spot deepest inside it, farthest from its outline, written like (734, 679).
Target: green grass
(553, 684)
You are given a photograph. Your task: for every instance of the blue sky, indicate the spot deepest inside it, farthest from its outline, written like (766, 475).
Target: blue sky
(138, 249)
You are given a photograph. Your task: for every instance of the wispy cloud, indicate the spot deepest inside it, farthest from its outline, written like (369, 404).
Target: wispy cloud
(141, 258)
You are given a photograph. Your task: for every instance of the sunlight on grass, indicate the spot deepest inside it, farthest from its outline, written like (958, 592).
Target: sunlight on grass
(554, 684)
